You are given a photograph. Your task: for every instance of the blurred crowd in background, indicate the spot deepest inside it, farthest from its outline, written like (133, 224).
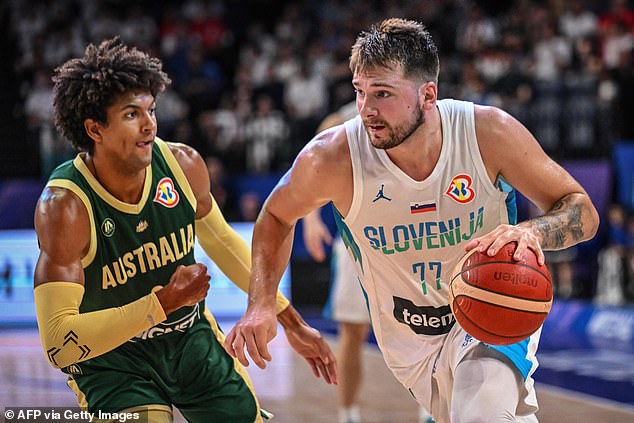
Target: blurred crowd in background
(252, 79)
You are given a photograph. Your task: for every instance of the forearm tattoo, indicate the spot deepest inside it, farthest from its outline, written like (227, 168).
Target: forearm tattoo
(562, 226)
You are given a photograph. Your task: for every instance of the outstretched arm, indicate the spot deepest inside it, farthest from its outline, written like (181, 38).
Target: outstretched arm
(321, 173)
(232, 255)
(511, 152)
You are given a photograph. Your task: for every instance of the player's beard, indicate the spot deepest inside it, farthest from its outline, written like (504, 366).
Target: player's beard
(396, 135)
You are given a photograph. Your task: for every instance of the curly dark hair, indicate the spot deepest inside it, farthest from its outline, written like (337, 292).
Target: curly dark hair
(394, 42)
(85, 87)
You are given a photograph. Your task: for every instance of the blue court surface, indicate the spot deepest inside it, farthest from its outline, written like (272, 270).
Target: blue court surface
(584, 348)
(589, 349)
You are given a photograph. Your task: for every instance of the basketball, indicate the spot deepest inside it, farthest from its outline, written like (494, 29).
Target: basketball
(497, 299)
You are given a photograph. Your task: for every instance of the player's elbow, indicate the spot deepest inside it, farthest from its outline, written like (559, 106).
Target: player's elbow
(56, 357)
(58, 365)
(588, 220)
(593, 220)
(60, 342)
(66, 355)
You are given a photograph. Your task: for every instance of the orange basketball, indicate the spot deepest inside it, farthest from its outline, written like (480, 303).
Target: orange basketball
(498, 300)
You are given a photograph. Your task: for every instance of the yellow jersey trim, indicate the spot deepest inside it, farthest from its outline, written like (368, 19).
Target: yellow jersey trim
(72, 187)
(177, 171)
(239, 368)
(80, 164)
(81, 397)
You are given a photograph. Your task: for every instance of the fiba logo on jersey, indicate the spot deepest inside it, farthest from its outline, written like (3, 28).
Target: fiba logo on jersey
(166, 194)
(460, 188)
(107, 227)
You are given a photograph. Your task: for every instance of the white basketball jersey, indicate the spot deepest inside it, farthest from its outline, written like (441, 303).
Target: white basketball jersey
(406, 236)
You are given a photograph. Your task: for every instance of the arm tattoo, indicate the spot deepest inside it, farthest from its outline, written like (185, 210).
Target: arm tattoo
(562, 226)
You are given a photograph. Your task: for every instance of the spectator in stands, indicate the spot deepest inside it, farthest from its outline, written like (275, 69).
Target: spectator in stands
(618, 13)
(577, 22)
(551, 53)
(306, 99)
(611, 259)
(266, 134)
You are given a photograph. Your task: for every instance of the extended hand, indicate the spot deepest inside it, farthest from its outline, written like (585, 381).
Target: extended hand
(525, 236)
(316, 234)
(255, 329)
(309, 343)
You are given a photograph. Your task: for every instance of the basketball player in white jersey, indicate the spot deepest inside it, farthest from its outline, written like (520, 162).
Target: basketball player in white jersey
(416, 182)
(346, 301)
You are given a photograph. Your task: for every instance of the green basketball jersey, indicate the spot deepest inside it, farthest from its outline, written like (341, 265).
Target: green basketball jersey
(135, 247)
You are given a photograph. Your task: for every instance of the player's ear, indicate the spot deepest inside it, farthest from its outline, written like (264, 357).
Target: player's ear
(93, 129)
(428, 94)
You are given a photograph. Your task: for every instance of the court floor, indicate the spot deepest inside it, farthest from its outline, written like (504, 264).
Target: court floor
(287, 388)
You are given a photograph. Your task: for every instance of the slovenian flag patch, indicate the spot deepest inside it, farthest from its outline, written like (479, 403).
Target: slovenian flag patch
(422, 207)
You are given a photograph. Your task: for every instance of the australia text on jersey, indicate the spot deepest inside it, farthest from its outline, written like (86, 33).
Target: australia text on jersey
(436, 234)
(148, 256)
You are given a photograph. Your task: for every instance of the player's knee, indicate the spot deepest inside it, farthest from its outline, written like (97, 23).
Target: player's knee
(355, 332)
(485, 390)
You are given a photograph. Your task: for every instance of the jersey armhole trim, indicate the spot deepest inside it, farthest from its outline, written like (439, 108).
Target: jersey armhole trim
(476, 155)
(74, 188)
(178, 172)
(351, 127)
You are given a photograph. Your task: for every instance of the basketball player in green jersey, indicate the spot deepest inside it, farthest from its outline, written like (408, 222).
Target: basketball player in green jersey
(119, 296)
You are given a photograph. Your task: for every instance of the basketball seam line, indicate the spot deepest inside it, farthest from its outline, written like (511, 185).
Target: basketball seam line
(505, 294)
(523, 336)
(492, 296)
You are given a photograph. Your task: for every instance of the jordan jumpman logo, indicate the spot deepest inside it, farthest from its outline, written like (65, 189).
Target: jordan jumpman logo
(380, 195)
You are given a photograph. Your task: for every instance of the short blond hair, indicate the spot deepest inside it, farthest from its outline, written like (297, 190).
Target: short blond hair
(397, 42)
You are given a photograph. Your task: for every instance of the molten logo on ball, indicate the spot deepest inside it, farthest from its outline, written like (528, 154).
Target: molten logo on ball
(515, 278)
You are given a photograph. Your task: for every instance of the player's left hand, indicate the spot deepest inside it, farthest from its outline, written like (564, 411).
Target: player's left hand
(254, 331)
(308, 342)
(526, 237)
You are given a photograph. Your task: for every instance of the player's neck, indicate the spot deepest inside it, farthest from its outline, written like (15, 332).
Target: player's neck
(418, 155)
(124, 185)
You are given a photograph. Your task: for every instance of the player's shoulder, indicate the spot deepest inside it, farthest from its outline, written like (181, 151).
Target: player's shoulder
(55, 200)
(491, 121)
(501, 138)
(188, 159)
(195, 171)
(183, 153)
(61, 209)
(328, 148)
